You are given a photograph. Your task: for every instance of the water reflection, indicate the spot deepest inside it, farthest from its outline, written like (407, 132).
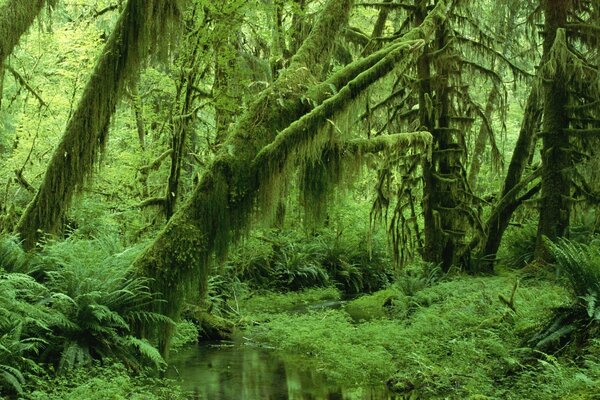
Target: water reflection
(235, 371)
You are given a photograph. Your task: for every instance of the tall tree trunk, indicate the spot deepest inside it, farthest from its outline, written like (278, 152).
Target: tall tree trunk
(441, 222)
(140, 30)
(223, 201)
(138, 115)
(556, 186)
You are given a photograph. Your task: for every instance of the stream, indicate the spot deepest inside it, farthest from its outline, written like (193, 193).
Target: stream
(234, 370)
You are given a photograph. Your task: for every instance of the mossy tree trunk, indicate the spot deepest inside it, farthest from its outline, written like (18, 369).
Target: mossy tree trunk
(16, 17)
(182, 122)
(223, 201)
(227, 92)
(143, 26)
(481, 141)
(556, 185)
(442, 226)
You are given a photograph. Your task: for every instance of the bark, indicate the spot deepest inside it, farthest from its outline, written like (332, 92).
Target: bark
(180, 133)
(441, 219)
(141, 28)
(481, 141)
(556, 186)
(138, 115)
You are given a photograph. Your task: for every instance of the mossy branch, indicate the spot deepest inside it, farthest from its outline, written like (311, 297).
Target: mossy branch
(224, 200)
(273, 157)
(16, 17)
(144, 27)
(399, 141)
(23, 82)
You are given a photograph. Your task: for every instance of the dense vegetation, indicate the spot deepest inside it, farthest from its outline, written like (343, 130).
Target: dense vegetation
(400, 194)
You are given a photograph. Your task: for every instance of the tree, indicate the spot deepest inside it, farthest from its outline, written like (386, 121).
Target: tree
(567, 74)
(143, 28)
(279, 129)
(16, 17)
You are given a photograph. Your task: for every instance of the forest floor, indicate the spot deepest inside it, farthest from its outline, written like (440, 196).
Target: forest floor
(455, 338)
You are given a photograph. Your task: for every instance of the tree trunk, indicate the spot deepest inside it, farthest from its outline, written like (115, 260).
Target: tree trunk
(441, 222)
(138, 115)
(503, 210)
(481, 141)
(141, 28)
(556, 187)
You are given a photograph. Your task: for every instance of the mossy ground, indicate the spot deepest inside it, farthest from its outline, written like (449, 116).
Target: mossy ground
(454, 339)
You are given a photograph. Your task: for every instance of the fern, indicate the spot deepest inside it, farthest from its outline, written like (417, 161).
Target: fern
(147, 351)
(580, 321)
(12, 377)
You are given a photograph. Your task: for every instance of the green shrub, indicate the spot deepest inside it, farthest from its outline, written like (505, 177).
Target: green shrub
(84, 306)
(284, 261)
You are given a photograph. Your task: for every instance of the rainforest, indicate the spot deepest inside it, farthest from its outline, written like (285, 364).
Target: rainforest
(299, 199)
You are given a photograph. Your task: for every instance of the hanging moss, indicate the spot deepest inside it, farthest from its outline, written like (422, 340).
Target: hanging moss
(16, 16)
(277, 129)
(145, 27)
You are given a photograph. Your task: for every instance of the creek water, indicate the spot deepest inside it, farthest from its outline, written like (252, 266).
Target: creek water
(235, 370)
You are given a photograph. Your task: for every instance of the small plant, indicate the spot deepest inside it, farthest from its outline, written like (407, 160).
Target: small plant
(418, 277)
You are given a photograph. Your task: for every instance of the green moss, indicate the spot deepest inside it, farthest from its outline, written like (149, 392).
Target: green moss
(261, 305)
(381, 304)
(16, 17)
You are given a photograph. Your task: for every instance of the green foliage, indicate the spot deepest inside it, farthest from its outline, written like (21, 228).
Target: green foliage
(110, 381)
(84, 307)
(279, 260)
(272, 303)
(24, 322)
(186, 332)
(429, 353)
(519, 245)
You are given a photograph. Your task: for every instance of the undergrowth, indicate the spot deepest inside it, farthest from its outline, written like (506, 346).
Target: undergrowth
(70, 305)
(451, 338)
(290, 261)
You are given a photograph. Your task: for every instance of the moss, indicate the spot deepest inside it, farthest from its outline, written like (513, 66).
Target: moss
(381, 304)
(16, 17)
(271, 303)
(222, 204)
